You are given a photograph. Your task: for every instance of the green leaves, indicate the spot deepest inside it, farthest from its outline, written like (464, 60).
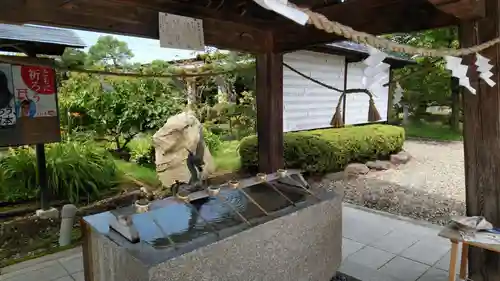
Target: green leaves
(428, 82)
(129, 107)
(73, 58)
(74, 170)
(240, 117)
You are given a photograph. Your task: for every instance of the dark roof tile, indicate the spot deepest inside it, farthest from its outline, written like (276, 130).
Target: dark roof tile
(352, 46)
(41, 34)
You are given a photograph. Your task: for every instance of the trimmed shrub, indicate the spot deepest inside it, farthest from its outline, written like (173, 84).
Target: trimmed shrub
(328, 150)
(212, 141)
(74, 170)
(142, 150)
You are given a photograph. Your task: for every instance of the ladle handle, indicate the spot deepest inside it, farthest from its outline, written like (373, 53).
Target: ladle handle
(253, 201)
(170, 240)
(209, 224)
(233, 208)
(280, 193)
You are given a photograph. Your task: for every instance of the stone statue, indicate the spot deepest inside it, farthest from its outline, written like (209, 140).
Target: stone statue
(181, 153)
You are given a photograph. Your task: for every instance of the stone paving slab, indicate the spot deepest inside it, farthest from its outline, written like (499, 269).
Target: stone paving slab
(34, 262)
(55, 267)
(376, 247)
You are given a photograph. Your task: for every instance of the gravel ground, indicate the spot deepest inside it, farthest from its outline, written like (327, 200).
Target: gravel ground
(435, 167)
(431, 186)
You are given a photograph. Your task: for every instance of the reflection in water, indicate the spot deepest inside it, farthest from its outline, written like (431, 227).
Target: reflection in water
(182, 223)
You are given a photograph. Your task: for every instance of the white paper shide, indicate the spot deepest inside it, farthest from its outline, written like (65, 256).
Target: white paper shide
(281, 7)
(458, 70)
(181, 32)
(398, 94)
(376, 70)
(484, 68)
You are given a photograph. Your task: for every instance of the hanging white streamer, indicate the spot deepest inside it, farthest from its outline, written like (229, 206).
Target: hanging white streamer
(484, 67)
(459, 71)
(281, 7)
(376, 70)
(398, 94)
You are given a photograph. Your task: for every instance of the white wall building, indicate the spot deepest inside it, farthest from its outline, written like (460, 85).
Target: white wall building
(307, 105)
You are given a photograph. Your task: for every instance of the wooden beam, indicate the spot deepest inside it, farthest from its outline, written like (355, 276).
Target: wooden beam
(367, 16)
(462, 9)
(110, 17)
(482, 139)
(270, 111)
(192, 10)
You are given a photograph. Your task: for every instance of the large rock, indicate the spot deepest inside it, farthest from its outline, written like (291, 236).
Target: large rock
(378, 165)
(401, 158)
(355, 169)
(180, 134)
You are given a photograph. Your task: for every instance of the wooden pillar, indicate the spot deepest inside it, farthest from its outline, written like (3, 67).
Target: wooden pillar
(455, 104)
(270, 111)
(482, 139)
(344, 102)
(41, 166)
(390, 96)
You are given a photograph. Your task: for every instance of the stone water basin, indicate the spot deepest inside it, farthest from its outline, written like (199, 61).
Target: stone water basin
(296, 237)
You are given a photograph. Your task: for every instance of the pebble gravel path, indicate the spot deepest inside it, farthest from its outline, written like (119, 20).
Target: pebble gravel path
(435, 167)
(430, 187)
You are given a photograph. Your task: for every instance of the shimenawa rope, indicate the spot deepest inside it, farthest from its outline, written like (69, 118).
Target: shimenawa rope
(323, 23)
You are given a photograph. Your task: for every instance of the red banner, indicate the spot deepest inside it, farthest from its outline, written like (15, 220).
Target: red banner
(39, 79)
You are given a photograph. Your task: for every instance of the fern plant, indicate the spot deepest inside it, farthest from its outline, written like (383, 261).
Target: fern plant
(74, 170)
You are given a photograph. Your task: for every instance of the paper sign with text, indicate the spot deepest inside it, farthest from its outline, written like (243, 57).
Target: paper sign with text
(35, 91)
(8, 112)
(181, 32)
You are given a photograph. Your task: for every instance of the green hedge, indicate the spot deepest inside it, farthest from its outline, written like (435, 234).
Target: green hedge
(330, 150)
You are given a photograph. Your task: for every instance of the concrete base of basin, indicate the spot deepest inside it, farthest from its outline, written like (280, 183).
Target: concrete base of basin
(303, 245)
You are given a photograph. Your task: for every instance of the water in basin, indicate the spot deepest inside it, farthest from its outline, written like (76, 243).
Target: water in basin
(173, 223)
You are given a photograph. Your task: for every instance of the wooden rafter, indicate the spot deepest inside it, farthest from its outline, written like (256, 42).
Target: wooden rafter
(127, 19)
(462, 9)
(225, 24)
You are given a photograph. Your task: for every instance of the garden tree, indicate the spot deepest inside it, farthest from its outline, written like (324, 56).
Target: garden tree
(130, 107)
(239, 117)
(226, 102)
(230, 84)
(193, 86)
(73, 57)
(109, 51)
(159, 67)
(428, 82)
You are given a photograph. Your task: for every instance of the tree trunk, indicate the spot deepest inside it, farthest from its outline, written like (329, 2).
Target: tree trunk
(191, 93)
(222, 91)
(420, 110)
(482, 139)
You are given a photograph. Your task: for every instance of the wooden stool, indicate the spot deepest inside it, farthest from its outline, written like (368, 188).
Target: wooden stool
(456, 239)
